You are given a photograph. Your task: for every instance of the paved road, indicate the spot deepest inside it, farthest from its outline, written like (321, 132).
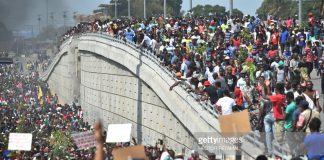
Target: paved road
(317, 85)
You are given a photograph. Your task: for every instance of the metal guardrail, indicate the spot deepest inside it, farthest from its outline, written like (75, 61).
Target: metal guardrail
(253, 138)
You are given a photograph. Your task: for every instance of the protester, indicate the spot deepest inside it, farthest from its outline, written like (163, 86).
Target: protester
(234, 63)
(315, 141)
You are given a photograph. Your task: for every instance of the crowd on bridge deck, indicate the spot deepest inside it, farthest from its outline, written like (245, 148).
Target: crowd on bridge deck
(238, 63)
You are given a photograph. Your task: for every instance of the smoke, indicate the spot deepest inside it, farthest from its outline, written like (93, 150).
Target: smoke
(16, 13)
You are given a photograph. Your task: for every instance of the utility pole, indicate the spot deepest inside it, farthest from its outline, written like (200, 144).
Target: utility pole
(74, 17)
(39, 23)
(144, 9)
(64, 18)
(164, 9)
(190, 5)
(116, 9)
(129, 9)
(300, 18)
(231, 7)
(52, 18)
(46, 13)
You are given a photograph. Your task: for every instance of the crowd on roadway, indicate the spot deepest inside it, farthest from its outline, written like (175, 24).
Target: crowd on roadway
(238, 63)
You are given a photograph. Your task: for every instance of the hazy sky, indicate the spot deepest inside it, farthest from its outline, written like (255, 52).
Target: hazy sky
(247, 6)
(87, 6)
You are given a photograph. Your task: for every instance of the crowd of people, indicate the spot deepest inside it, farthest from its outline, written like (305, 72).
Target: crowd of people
(238, 63)
(234, 63)
(28, 106)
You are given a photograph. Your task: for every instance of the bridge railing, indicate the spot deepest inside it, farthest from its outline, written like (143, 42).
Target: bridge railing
(44, 75)
(253, 138)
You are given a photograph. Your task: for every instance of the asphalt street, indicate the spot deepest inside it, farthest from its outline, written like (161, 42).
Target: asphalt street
(317, 86)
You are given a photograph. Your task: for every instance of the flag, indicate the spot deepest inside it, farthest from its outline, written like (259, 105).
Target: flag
(40, 95)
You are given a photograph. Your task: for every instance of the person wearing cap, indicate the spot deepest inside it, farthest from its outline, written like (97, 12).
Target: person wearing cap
(179, 79)
(210, 92)
(280, 73)
(306, 115)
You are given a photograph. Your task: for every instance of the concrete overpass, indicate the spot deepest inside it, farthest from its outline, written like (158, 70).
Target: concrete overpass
(116, 82)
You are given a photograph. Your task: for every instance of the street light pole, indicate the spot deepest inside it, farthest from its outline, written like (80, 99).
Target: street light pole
(129, 9)
(190, 5)
(164, 9)
(39, 25)
(46, 13)
(52, 18)
(144, 9)
(231, 7)
(300, 12)
(64, 18)
(115, 8)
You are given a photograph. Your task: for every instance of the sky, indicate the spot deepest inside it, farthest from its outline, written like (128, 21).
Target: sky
(58, 7)
(247, 6)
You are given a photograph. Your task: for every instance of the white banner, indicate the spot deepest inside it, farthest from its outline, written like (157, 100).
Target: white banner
(119, 133)
(20, 141)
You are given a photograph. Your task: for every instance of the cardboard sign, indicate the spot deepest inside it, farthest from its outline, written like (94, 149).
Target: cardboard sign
(134, 152)
(235, 125)
(84, 140)
(119, 133)
(20, 141)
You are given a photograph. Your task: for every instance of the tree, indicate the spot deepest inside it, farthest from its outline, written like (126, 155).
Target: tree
(60, 143)
(237, 13)
(288, 8)
(206, 10)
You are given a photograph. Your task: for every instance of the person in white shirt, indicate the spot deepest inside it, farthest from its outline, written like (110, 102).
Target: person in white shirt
(241, 81)
(225, 104)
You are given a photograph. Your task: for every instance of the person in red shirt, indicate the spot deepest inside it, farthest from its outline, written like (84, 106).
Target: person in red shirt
(274, 38)
(309, 58)
(236, 41)
(272, 53)
(279, 102)
(311, 20)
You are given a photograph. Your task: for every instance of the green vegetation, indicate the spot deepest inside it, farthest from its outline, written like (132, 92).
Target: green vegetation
(286, 8)
(60, 143)
(206, 10)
